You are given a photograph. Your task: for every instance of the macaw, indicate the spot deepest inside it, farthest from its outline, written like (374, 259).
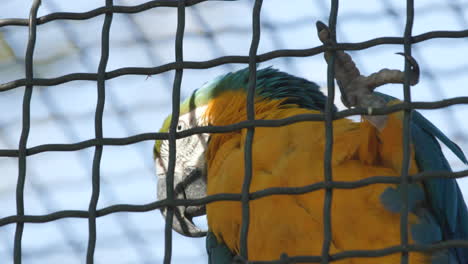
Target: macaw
(364, 218)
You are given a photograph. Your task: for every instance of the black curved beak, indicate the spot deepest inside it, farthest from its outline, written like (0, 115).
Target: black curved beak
(191, 187)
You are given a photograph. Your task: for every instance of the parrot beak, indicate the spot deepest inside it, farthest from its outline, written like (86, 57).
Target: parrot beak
(192, 186)
(189, 173)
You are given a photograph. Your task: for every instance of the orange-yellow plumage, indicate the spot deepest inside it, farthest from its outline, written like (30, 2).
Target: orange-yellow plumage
(292, 156)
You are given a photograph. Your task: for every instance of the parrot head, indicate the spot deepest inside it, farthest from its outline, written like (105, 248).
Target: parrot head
(190, 173)
(190, 164)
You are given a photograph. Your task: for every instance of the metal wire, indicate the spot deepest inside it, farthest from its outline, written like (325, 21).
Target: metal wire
(327, 160)
(20, 218)
(250, 131)
(231, 59)
(101, 95)
(173, 129)
(25, 130)
(406, 134)
(126, 225)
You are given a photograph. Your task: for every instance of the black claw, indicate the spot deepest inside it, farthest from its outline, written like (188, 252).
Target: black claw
(323, 29)
(414, 68)
(321, 26)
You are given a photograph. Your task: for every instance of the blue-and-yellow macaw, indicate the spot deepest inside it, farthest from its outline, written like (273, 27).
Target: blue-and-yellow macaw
(364, 218)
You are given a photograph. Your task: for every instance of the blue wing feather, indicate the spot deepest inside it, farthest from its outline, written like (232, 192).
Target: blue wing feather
(446, 204)
(443, 194)
(428, 127)
(218, 253)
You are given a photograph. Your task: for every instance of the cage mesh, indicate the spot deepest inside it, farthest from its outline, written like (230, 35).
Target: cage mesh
(55, 208)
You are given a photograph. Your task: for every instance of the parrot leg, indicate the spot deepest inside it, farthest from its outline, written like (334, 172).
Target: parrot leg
(357, 89)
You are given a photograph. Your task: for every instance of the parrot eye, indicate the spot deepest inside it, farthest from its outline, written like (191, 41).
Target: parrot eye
(181, 126)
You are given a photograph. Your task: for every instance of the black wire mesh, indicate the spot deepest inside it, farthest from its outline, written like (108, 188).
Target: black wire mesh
(103, 77)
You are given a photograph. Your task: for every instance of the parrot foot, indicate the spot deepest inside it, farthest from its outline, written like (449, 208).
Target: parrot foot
(356, 89)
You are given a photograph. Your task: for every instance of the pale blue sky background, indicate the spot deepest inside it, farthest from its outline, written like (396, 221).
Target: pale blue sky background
(137, 104)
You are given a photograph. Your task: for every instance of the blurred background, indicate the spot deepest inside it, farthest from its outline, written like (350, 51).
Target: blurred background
(138, 104)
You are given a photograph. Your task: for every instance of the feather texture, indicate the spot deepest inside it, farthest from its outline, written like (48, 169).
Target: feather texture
(292, 156)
